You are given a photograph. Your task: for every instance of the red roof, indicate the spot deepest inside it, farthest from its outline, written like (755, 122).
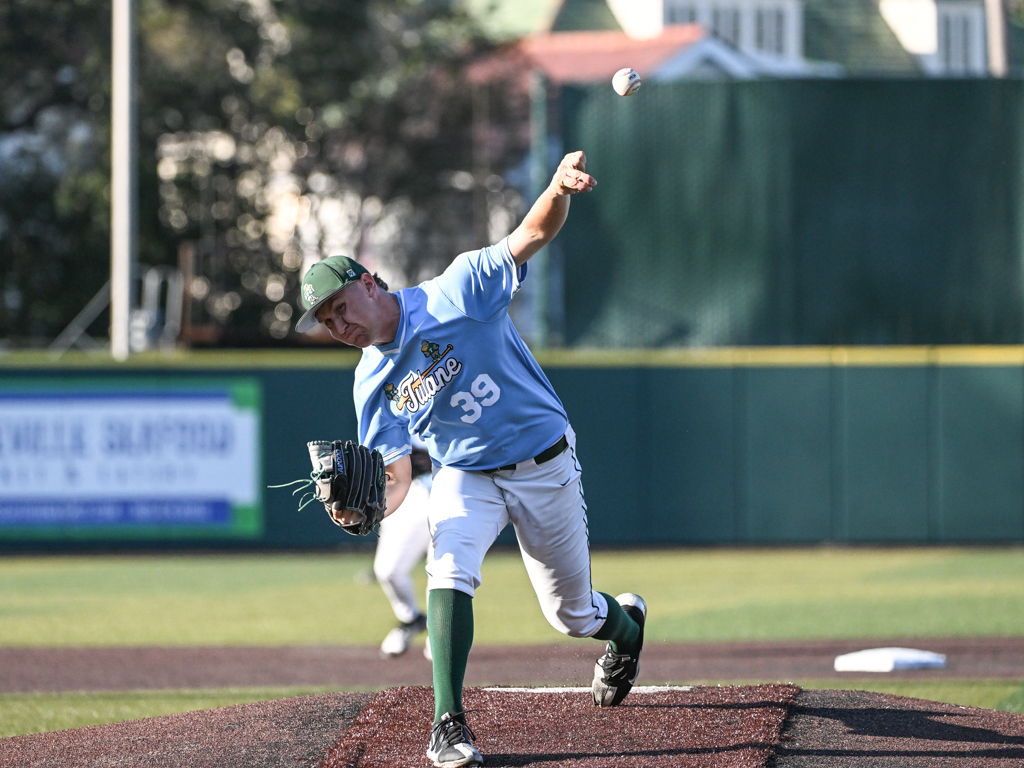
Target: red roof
(582, 57)
(586, 57)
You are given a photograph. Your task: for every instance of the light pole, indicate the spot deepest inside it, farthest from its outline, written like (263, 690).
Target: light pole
(123, 182)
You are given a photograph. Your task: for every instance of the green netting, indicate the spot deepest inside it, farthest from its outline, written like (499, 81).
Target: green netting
(797, 212)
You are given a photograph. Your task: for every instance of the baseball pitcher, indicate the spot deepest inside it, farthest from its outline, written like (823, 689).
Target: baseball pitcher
(443, 361)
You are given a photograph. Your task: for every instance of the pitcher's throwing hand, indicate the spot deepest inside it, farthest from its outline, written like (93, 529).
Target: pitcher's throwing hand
(571, 178)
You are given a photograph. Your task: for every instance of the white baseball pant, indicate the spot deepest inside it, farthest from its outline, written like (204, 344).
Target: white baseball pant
(468, 509)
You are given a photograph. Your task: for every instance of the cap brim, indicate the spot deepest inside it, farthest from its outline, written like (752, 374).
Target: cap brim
(308, 320)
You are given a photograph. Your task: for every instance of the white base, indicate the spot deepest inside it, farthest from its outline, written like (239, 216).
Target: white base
(888, 660)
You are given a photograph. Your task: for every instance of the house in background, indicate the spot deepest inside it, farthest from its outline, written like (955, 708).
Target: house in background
(683, 51)
(861, 38)
(585, 42)
(948, 38)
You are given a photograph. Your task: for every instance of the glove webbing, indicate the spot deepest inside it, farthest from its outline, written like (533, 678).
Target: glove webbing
(356, 482)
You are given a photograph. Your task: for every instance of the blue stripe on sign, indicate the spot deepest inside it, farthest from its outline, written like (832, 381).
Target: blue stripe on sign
(103, 512)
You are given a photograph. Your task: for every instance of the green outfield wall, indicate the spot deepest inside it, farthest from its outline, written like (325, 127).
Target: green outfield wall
(782, 212)
(722, 446)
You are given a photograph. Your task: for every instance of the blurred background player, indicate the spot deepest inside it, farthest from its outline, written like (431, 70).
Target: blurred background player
(404, 542)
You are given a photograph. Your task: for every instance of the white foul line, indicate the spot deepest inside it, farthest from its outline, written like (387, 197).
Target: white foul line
(638, 689)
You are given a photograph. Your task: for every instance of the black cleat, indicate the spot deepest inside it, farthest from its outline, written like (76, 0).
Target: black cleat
(451, 745)
(615, 673)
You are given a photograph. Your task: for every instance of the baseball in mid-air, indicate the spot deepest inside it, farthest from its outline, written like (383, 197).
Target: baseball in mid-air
(626, 81)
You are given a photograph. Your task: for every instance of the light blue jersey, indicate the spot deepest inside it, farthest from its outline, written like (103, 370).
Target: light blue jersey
(457, 373)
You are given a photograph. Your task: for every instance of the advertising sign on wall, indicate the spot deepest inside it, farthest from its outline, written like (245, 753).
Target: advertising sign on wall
(130, 459)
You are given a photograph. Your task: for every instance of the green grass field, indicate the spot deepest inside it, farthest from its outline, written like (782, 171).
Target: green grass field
(693, 595)
(22, 713)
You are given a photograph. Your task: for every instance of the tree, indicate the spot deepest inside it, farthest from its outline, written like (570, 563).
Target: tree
(54, 221)
(271, 134)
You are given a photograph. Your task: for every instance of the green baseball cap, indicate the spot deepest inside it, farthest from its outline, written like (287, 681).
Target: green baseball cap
(322, 281)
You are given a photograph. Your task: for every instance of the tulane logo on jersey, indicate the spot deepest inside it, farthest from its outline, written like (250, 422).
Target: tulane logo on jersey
(417, 389)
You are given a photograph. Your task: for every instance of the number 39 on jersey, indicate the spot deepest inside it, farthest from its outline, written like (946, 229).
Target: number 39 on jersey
(482, 393)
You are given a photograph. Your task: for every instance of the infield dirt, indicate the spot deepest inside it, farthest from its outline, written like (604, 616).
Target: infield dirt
(717, 727)
(25, 670)
(776, 726)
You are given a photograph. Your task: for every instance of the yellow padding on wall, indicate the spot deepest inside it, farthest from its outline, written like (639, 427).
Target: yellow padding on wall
(710, 357)
(784, 357)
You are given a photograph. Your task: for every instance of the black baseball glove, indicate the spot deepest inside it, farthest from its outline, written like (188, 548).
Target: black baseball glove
(349, 479)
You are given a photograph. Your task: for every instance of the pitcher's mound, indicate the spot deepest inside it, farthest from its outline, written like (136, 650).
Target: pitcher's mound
(701, 726)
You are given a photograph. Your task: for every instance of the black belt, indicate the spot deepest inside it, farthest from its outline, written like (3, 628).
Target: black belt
(546, 455)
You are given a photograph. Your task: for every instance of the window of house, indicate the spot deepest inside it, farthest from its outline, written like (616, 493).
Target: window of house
(725, 24)
(770, 30)
(680, 14)
(762, 26)
(955, 35)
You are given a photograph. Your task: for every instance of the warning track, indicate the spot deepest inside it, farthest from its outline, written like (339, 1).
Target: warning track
(775, 726)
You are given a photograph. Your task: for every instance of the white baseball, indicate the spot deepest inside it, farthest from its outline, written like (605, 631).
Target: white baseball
(626, 82)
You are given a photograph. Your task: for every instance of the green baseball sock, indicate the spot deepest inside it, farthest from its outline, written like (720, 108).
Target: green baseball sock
(450, 627)
(621, 632)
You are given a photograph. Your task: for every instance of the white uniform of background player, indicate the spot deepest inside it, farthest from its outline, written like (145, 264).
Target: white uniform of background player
(404, 542)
